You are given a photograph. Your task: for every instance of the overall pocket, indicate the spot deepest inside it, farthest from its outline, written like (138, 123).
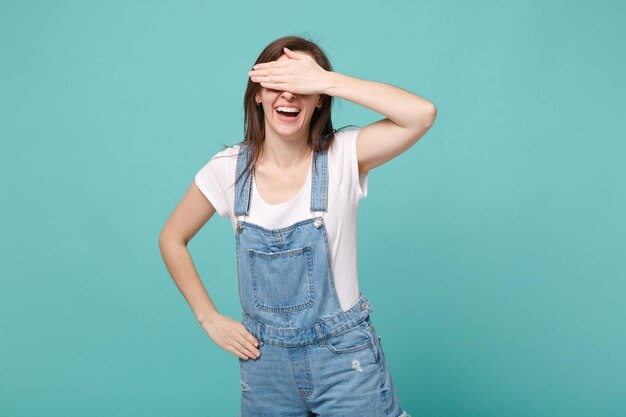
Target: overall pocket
(376, 346)
(282, 281)
(355, 339)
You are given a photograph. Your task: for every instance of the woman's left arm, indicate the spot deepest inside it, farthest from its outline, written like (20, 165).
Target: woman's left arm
(408, 117)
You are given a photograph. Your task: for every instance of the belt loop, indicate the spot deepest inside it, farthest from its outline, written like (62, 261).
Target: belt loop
(318, 331)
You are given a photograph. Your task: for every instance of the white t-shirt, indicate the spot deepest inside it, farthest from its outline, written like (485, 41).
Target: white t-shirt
(345, 188)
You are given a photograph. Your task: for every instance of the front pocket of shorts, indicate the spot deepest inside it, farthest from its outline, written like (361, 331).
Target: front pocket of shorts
(282, 281)
(376, 348)
(354, 340)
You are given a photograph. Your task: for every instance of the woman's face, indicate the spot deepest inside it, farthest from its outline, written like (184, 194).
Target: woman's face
(282, 121)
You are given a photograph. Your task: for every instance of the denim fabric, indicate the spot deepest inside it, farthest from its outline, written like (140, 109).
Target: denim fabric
(316, 360)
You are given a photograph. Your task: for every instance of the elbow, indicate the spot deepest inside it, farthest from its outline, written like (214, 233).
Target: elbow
(166, 239)
(424, 121)
(430, 115)
(163, 237)
(162, 241)
(426, 116)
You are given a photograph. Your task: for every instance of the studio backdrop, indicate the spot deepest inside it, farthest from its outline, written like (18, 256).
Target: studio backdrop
(493, 251)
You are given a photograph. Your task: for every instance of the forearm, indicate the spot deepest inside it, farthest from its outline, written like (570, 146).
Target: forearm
(402, 107)
(183, 271)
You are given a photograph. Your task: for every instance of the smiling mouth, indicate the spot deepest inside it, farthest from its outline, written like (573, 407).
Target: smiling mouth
(287, 116)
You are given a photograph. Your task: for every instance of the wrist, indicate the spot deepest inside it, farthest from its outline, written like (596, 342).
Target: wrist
(207, 318)
(332, 82)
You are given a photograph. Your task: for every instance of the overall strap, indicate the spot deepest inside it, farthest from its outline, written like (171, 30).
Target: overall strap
(319, 182)
(243, 188)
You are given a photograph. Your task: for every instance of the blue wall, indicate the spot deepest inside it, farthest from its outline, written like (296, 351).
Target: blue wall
(493, 250)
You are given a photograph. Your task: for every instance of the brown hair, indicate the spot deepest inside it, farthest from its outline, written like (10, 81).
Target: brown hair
(321, 132)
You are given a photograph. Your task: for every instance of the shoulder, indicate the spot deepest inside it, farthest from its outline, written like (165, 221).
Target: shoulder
(224, 158)
(347, 133)
(230, 151)
(220, 166)
(343, 144)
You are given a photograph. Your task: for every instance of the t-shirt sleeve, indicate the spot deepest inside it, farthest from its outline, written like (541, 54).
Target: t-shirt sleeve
(345, 165)
(359, 183)
(213, 180)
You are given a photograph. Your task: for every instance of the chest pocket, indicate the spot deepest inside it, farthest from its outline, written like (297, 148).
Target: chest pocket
(282, 281)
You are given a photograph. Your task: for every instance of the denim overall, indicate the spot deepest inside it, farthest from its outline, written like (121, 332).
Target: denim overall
(315, 359)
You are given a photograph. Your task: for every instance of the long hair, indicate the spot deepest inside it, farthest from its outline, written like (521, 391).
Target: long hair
(321, 131)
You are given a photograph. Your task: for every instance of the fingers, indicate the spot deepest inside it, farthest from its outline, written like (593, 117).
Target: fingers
(276, 82)
(278, 87)
(246, 351)
(269, 65)
(259, 77)
(250, 338)
(265, 77)
(265, 73)
(246, 345)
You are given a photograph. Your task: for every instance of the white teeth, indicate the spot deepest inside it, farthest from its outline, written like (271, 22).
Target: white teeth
(288, 109)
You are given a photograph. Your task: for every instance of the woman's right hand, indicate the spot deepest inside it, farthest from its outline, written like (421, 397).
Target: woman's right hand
(232, 336)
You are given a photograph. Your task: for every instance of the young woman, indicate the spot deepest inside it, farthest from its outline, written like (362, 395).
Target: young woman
(306, 343)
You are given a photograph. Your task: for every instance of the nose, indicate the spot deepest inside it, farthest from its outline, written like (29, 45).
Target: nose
(287, 94)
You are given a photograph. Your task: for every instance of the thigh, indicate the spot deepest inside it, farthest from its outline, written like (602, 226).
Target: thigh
(268, 387)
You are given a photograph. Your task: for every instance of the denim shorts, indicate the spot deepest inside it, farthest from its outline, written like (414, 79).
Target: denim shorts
(345, 375)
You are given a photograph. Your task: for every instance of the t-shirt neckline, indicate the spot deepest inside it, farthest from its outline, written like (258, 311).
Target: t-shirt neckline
(304, 187)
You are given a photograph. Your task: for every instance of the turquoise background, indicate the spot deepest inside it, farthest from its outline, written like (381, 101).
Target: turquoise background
(493, 250)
